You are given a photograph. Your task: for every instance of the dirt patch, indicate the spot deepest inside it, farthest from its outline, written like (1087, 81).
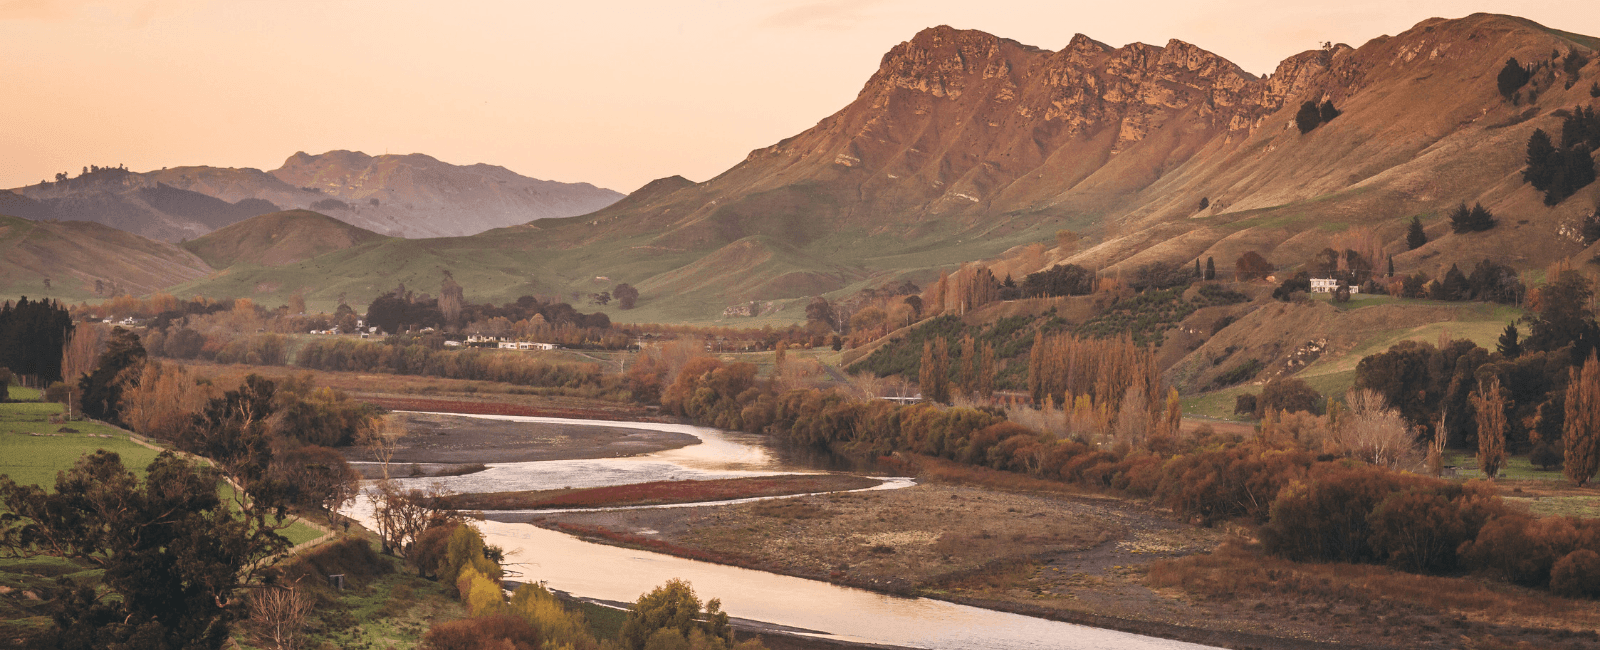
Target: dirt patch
(921, 539)
(454, 439)
(662, 492)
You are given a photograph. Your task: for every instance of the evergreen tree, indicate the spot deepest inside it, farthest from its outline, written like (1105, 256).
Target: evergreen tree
(1197, 272)
(1511, 78)
(1539, 157)
(1508, 346)
(1474, 219)
(1309, 117)
(1391, 266)
(1205, 202)
(1455, 284)
(102, 393)
(1211, 268)
(1327, 112)
(1415, 238)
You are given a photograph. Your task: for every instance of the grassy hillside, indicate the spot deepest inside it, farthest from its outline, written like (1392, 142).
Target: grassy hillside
(277, 239)
(72, 255)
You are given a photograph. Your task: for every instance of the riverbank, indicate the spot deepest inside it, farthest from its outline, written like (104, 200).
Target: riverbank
(442, 444)
(1103, 562)
(659, 493)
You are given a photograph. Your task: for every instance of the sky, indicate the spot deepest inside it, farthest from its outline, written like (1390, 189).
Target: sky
(610, 92)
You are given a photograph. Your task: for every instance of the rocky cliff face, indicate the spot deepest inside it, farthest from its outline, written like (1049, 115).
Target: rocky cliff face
(410, 196)
(971, 135)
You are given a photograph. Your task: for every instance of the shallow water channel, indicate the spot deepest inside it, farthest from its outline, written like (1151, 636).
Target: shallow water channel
(597, 571)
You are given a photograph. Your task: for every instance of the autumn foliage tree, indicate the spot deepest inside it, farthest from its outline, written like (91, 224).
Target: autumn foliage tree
(1489, 405)
(1582, 435)
(1252, 266)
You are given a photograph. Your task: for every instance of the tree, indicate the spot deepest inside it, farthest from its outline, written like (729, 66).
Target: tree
(451, 299)
(1205, 202)
(1415, 238)
(1252, 266)
(1327, 112)
(1289, 395)
(626, 295)
(1376, 433)
(674, 608)
(1563, 316)
(1512, 77)
(603, 298)
(1476, 219)
(32, 336)
(1198, 273)
(933, 376)
(819, 310)
(1211, 268)
(1058, 280)
(172, 551)
(280, 613)
(1309, 117)
(1582, 436)
(1540, 154)
(1508, 346)
(317, 477)
(102, 388)
(1489, 406)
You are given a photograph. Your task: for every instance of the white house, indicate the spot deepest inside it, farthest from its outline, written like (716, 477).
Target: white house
(1329, 285)
(526, 345)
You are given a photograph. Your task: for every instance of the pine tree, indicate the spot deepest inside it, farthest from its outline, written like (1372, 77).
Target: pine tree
(1391, 266)
(1490, 407)
(1508, 346)
(1582, 435)
(1415, 237)
(1540, 156)
(1309, 117)
(1211, 268)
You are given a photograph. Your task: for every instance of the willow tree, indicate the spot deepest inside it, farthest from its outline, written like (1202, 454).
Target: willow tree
(1582, 435)
(1490, 406)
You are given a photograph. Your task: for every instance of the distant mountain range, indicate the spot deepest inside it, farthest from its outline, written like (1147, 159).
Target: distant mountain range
(965, 145)
(404, 196)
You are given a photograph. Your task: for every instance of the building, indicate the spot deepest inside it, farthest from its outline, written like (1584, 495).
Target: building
(1329, 285)
(526, 345)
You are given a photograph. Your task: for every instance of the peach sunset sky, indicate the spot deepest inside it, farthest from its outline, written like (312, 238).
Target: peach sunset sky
(615, 93)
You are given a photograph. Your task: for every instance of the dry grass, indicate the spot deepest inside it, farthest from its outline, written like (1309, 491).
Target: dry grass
(1237, 574)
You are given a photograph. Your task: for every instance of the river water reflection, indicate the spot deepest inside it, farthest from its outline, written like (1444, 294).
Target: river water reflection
(603, 572)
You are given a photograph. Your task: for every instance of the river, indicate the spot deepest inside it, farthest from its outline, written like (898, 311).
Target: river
(602, 572)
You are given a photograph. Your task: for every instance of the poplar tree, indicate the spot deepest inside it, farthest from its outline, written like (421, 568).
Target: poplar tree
(1582, 435)
(1211, 268)
(1490, 406)
(932, 377)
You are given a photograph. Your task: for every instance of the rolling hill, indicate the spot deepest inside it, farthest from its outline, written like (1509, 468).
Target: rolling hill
(400, 195)
(964, 145)
(277, 239)
(66, 259)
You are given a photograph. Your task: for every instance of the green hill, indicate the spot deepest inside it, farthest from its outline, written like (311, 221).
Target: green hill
(277, 239)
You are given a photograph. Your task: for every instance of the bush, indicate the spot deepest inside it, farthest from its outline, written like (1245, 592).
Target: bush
(1522, 549)
(1245, 371)
(1329, 518)
(1290, 395)
(500, 631)
(1546, 456)
(1245, 403)
(1577, 574)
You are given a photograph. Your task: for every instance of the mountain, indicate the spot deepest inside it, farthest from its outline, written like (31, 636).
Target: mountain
(402, 195)
(277, 239)
(78, 260)
(964, 145)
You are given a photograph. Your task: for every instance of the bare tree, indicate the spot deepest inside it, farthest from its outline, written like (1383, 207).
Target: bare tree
(402, 514)
(1376, 433)
(381, 437)
(279, 613)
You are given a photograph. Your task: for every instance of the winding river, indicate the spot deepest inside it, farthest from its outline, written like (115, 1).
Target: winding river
(602, 572)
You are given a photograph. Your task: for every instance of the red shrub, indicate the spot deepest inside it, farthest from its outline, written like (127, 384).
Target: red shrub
(503, 631)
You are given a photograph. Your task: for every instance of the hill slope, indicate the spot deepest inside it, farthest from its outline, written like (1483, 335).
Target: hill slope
(964, 145)
(70, 256)
(277, 239)
(403, 195)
